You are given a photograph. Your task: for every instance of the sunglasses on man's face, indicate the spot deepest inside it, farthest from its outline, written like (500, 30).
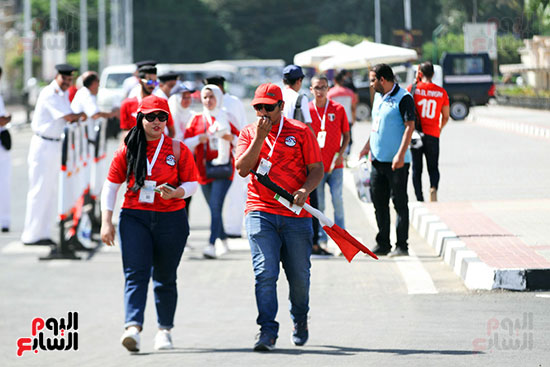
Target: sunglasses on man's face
(162, 116)
(267, 107)
(150, 82)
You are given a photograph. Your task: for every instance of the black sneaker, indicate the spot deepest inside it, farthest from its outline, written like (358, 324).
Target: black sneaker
(265, 343)
(300, 333)
(43, 242)
(399, 252)
(319, 251)
(380, 251)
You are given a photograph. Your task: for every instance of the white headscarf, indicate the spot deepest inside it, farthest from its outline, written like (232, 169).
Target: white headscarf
(219, 111)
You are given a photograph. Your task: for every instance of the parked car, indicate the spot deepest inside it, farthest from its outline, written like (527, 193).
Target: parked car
(468, 80)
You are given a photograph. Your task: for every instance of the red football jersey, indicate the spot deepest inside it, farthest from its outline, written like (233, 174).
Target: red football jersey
(128, 114)
(295, 148)
(164, 171)
(429, 99)
(336, 123)
(196, 127)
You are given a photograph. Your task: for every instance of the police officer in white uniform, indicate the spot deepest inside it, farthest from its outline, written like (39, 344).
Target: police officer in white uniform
(167, 82)
(52, 111)
(5, 167)
(235, 201)
(85, 99)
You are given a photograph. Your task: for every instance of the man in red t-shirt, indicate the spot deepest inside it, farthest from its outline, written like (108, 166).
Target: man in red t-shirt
(128, 109)
(431, 102)
(331, 127)
(287, 151)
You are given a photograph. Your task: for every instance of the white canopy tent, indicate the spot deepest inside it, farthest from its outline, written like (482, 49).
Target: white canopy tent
(313, 57)
(367, 54)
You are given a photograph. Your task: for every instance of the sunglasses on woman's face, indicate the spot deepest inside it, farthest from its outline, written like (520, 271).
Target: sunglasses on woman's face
(267, 107)
(162, 116)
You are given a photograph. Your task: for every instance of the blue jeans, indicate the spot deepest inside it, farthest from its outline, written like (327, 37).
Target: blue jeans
(335, 182)
(151, 244)
(214, 193)
(273, 239)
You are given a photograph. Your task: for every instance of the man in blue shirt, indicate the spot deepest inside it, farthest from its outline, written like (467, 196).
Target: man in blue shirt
(392, 126)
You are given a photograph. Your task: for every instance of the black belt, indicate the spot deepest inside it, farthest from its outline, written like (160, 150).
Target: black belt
(46, 138)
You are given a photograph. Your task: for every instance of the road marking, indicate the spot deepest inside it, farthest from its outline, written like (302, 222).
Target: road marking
(417, 279)
(17, 161)
(17, 247)
(543, 295)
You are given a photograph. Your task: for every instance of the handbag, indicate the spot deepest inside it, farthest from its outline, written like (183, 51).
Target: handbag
(222, 171)
(5, 139)
(416, 139)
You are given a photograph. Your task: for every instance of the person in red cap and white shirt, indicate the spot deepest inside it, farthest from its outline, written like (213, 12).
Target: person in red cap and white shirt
(331, 127)
(287, 151)
(153, 224)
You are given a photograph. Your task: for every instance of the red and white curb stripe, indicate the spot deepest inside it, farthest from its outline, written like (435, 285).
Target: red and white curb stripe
(464, 261)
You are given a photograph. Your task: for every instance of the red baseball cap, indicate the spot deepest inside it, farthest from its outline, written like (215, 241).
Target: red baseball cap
(153, 103)
(267, 93)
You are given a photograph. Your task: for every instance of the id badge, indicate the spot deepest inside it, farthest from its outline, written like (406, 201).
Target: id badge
(213, 143)
(293, 208)
(376, 124)
(321, 137)
(264, 167)
(147, 192)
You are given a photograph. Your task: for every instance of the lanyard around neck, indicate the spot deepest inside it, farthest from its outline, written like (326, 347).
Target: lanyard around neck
(151, 164)
(324, 115)
(272, 146)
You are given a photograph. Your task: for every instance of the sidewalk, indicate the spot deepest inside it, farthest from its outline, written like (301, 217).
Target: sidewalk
(500, 243)
(493, 244)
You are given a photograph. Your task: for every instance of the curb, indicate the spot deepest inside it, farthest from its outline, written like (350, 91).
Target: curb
(465, 262)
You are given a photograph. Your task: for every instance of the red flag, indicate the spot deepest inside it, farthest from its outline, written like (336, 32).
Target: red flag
(347, 248)
(345, 241)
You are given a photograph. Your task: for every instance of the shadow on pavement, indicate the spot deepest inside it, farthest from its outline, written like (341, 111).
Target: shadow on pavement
(316, 350)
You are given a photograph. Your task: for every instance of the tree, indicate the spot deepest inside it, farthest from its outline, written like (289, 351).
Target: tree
(177, 31)
(348, 39)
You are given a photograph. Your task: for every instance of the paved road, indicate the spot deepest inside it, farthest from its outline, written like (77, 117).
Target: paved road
(412, 311)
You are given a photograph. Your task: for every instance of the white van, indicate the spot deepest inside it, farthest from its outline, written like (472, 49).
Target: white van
(111, 94)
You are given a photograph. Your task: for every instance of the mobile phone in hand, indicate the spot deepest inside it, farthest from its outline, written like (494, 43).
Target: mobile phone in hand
(157, 189)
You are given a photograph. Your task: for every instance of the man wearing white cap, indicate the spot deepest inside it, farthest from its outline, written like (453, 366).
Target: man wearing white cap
(52, 111)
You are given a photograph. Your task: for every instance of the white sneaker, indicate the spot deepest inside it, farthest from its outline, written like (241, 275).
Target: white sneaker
(209, 251)
(163, 340)
(130, 339)
(224, 247)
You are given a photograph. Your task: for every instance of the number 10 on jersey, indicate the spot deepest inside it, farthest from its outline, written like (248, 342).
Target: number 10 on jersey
(428, 108)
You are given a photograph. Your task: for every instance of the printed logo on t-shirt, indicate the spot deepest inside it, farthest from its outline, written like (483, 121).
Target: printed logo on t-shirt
(331, 116)
(171, 160)
(290, 141)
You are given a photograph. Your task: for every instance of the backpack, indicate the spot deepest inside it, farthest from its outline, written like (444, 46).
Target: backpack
(298, 114)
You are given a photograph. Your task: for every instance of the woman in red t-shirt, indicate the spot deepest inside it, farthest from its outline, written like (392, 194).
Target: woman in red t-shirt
(160, 173)
(209, 136)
